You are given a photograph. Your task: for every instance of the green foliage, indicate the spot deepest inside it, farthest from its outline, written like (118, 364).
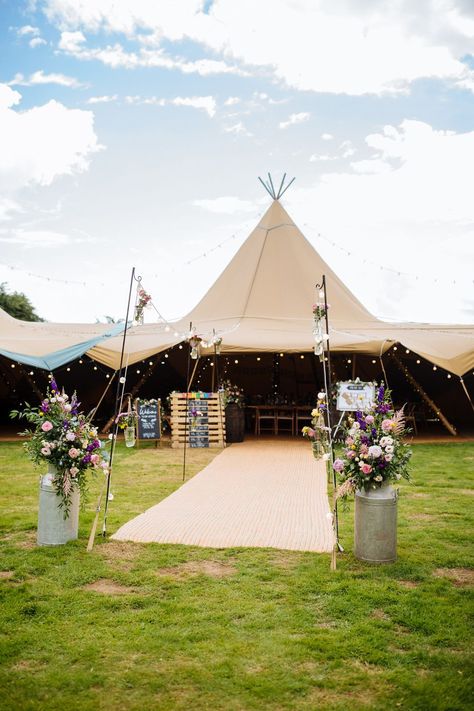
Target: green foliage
(279, 631)
(17, 305)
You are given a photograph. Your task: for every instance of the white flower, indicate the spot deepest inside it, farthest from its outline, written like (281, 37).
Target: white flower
(389, 448)
(321, 396)
(356, 426)
(326, 457)
(398, 476)
(388, 457)
(378, 477)
(375, 451)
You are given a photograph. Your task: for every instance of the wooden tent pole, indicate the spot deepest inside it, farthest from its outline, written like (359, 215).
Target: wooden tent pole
(433, 406)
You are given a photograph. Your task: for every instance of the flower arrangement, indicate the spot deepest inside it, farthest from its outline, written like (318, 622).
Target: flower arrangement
(142, 302)
(320, 310)
(127, 419)
(195, 341)
(231, 393)
(63, 437)
(318, 434)
(374, 450)
(194, 413)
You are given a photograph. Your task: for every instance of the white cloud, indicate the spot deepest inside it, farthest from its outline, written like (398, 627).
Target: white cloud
(352, 48)
(102, 99)
(327, 136)
(373, 165)
(40, 77)
(115, 56)
(232, 101)
(8, 208)
(35, 238)
(206, 103)
(237, 128)
(42, 143)
(36, 42)
(225, 205)
(28, 30)
(324, 157)
(295, 119)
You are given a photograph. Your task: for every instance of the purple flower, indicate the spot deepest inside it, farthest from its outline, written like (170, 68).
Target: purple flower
(86, 459)
(53, 385)
(44, 407)
(380, 393)
(338, 465)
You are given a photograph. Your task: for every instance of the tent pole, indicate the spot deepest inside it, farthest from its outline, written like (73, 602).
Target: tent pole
(117, 400)
(466, 391)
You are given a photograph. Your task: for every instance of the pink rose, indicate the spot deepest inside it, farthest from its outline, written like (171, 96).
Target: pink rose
(95, 459)
(73, 453)
(366, 468)
(369, 419)
(46, 426)
(350, 454)
(46, 451)
(387, 425)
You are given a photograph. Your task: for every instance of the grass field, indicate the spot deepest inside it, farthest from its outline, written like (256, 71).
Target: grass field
(169, 627)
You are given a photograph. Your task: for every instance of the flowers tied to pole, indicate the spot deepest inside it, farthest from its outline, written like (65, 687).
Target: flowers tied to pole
(64, 438)
(143, 299)
(374, 451)
(318, 433)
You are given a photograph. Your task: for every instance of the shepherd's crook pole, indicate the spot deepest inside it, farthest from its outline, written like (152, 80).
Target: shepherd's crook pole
(117, 400)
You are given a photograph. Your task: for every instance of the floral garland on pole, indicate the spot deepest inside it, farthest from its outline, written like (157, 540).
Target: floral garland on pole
(143, 299)
(319, 313)
(65, 439)
(318, 434)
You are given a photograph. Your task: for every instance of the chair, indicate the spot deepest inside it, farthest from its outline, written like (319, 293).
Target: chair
(265, 416)
(410, 416)
(303, 414)
(284, 416)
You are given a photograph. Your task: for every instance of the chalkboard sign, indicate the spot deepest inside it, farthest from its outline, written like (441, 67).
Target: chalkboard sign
(149, 419)
(198, 419)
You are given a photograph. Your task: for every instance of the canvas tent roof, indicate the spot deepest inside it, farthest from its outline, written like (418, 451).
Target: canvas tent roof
(261, 302)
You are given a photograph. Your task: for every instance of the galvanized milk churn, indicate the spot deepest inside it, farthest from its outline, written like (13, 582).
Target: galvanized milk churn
(53, 528)
(375, 530)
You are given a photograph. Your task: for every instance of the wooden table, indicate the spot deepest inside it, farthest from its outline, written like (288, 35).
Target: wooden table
(272, 416)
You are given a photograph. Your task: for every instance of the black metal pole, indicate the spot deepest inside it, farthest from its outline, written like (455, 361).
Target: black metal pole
(117, 400)
(328, 387)
(187, 404)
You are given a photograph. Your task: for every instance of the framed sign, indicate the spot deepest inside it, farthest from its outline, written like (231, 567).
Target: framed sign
(353, 395)
(149, 419)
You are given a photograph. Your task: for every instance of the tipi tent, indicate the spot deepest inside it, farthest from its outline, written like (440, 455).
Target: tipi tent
(262, 301)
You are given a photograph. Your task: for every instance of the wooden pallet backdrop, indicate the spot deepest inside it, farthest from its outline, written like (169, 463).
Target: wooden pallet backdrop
(212, 432)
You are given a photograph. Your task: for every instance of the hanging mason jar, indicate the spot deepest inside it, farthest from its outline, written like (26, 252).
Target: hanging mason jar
(194, 352)
(129, 435)
(318, 337)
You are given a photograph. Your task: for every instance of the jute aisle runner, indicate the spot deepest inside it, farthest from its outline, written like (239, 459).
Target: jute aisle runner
(255, 494)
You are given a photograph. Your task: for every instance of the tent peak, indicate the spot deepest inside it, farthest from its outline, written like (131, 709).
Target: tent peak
(270, 188)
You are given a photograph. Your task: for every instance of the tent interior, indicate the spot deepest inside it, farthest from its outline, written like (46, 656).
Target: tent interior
(261, 307)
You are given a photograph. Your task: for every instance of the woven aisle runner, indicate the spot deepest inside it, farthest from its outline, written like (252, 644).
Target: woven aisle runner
(260, 493)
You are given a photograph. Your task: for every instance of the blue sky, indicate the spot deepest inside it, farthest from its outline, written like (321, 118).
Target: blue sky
(132, 134)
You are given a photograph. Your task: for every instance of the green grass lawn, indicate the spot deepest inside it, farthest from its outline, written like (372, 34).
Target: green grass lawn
(134, 626)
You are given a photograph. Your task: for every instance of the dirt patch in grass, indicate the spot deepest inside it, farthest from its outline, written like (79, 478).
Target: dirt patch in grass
(460, 577)
(211, 568)
(109, 587)
(423, 517)
(6, 574)
(285, 560)
(380, 614)
(28, 665)
(418, 495)
(409, 584)
(319, 696)
(121, 553)
(466, 492)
